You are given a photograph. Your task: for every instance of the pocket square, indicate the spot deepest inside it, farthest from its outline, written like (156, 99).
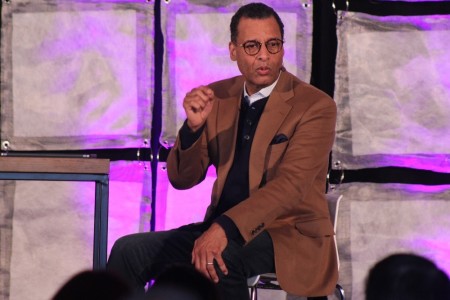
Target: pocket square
(280, 138)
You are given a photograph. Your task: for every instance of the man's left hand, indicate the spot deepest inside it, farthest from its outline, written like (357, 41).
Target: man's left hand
(207, 249)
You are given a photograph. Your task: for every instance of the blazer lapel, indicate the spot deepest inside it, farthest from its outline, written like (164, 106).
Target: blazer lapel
(272, 117)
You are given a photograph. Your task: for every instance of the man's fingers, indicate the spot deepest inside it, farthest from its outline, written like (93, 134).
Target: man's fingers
(197, 101)
(207, 252)
(196, 105)
(208, 267)
(212, 271)
(203, 93)
(221, 264)
(200, 265)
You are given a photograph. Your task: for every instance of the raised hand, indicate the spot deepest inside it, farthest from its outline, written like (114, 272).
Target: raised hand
(198, 104)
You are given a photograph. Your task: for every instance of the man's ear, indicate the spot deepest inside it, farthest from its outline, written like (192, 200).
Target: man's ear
(232, 48)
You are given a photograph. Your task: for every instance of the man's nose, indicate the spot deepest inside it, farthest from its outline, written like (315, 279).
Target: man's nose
(263, 54)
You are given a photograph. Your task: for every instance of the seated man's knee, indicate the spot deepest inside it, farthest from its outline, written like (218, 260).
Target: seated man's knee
(123, 249)
(122, 245)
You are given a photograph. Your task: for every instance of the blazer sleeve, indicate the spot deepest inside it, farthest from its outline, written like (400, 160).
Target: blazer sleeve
(187, 167)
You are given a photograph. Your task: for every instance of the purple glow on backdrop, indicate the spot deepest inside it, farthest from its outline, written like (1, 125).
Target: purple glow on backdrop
(423, 23)
(436, 163)
(431, 189)
(175, 208)
(129, 200)
(435, 246)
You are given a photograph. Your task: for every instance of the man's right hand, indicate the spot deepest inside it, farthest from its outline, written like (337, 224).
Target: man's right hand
(198, 104)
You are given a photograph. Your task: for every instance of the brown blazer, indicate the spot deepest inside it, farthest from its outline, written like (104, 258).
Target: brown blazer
(291, 205)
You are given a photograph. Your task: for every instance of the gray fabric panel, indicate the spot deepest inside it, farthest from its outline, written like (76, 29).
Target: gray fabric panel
(376, 220)
(393, 91)
(6, 213)
(52, 236)
(76, 75)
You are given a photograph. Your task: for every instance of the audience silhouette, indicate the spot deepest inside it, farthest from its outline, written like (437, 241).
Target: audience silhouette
(406, 276)
(182, 282)
(90, 285)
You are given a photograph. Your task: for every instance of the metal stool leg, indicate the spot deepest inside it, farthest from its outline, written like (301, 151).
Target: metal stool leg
(253, 293)
(340, 290)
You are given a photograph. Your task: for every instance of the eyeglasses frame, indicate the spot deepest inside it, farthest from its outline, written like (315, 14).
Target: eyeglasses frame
(260, 46)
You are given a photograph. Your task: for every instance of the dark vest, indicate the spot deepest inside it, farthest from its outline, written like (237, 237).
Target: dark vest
(236, 188)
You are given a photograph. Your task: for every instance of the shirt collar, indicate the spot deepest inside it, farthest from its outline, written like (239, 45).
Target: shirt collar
(262, 93)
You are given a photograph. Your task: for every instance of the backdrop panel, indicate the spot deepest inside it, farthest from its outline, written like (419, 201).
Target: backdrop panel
(376, 220)
(196, 35)
(393, 91)
(76, 75)
(46, 228)
(175, 208)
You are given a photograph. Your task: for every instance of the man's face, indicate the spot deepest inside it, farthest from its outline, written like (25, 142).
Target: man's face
(262, 69)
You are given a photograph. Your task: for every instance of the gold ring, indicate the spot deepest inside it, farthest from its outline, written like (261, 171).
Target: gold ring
(210, 263)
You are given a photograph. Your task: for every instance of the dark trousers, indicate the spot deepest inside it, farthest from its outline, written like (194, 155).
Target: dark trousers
(140, 257)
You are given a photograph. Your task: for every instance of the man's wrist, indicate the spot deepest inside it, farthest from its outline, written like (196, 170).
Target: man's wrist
(193, 128)
(188, 137)
(231, 230)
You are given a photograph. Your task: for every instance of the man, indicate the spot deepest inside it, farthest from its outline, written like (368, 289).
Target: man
(269, 136)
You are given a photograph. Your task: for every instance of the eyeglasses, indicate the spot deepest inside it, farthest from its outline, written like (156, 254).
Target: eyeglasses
(253, 47)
